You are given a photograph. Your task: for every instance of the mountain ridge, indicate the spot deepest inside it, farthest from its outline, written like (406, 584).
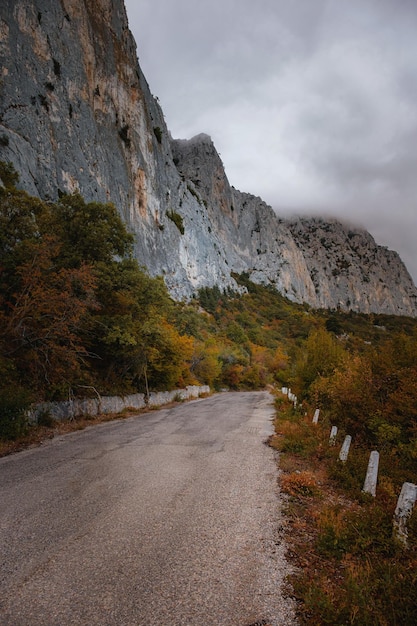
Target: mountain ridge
(77, 114)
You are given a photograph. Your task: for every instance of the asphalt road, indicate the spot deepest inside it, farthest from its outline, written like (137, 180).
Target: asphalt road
(165, 519)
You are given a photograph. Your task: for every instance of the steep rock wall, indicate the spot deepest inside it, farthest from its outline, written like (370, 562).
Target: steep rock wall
(76, 114)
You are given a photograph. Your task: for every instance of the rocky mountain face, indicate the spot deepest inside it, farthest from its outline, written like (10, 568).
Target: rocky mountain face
(76, 114)
(350, 271)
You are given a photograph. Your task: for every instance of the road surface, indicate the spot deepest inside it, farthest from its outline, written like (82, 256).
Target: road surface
(169, 518)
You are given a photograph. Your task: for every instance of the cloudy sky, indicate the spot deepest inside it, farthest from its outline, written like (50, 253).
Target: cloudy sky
(312, 104)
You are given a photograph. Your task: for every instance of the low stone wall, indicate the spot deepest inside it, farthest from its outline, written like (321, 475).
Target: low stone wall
(71, 409)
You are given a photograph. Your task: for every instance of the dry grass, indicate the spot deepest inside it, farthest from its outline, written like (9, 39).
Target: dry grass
(348, 569)
(300, 483)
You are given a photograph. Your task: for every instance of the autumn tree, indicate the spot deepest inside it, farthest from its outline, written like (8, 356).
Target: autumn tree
(74, 305)
(131, 334)
(373, 394)
(90, 232)
(41, 320)
(42, 303)
(322, 354)
(205, 363)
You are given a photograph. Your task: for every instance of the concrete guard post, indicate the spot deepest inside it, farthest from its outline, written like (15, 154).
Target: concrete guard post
(403, 511)
(344, 452)
(292, 398)
(333, 435)
(371, 474)
(316, 416)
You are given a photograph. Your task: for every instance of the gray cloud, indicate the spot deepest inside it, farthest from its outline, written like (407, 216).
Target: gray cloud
(312, 104)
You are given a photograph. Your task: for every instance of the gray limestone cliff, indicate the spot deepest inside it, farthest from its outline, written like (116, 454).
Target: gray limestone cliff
(76, 114)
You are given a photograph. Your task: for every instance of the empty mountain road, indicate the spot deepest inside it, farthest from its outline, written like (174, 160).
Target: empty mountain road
(165, 519)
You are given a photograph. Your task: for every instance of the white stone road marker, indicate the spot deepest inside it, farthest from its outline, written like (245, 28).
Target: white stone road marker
(333, 435)
(343, 455)
(403, 511)
(371, 474)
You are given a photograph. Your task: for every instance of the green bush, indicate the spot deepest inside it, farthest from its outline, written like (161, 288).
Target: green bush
(14, 402)
(45, 418)
(8, 175)
(158, 134)
(177, 219)
(194, 193)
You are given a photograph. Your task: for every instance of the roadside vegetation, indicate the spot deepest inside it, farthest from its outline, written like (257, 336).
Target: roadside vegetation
(350, 566)
(78, 316)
